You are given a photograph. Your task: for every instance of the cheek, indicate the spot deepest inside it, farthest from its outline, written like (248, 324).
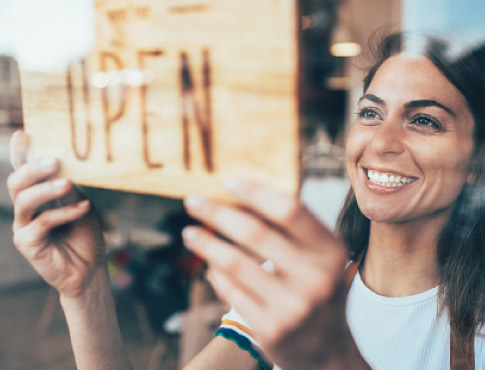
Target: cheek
(355, 147)
(449, 161)
(351, 146)
(445, 169)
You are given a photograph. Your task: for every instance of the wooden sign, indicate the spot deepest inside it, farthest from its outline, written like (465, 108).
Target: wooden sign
(173, 97)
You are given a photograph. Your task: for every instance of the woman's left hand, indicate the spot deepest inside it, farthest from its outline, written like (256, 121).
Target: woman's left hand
(297, 312)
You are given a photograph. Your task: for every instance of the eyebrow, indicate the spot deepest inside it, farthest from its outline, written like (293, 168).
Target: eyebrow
(412, 104)
(429, 103)
(373, 98)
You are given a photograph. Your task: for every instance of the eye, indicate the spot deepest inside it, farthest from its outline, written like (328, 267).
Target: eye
(427, 122)
(368, 114)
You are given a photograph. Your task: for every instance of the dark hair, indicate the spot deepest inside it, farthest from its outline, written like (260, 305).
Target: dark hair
(461, 243)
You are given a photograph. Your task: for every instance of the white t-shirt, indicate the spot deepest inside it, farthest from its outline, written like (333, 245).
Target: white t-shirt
(403, 333)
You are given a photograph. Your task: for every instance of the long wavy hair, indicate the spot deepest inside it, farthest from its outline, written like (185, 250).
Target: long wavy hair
(461, 243)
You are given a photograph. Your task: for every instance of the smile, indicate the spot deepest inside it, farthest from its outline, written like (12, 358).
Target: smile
(388, 179)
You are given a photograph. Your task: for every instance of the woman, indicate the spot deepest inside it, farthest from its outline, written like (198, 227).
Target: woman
(414, 221)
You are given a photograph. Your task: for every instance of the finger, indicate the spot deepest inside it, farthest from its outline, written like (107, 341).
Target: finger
(31, 173)
(73, 196)
(18, 148)
(281, 209)
(255, 235)
(243, 270)
(251, 310)
(300, 270)
(28, 201)
(30, 239)
(269, 322)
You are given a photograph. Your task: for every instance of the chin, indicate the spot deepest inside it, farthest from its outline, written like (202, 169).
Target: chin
(380, 213)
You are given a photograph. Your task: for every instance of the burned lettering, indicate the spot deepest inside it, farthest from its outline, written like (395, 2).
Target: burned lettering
(143, 96)
(110, 119)
(85, 88)
(203, 117)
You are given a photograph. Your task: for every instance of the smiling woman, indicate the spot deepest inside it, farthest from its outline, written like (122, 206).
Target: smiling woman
(414, 223)
(421, 123)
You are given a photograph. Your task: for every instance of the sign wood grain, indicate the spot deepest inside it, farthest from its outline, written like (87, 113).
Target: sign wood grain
(173, 97)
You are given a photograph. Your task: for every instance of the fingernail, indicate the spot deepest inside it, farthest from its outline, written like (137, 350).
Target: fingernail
(189, 233)
(233, 184)
(47, 163)
(20, 135)
(59, 183)
(84, 203)
(194, 201)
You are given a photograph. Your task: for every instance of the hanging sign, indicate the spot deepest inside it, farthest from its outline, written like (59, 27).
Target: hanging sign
(163, 97)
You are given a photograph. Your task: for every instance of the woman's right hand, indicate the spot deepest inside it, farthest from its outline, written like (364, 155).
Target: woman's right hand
(296, 312)
(63, 242)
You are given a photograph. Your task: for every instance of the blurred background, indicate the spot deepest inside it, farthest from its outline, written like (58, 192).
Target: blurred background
(158, 285)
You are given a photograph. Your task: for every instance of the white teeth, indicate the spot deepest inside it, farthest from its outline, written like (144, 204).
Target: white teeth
(388, 180)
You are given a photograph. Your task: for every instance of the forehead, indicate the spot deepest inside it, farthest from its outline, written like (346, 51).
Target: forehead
(406, 78)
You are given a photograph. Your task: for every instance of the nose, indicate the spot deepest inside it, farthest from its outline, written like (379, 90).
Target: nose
(387, 138)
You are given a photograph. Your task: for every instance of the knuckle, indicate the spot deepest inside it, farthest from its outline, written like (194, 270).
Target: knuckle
(24, 244)
(15, 227)
(232, 264)
(211, 210)
(255, 232)
(21, 201)
(204, 243)
(43, 220)
(202, 239)
(291, 212)
(25, 203)
(12, 181)
(18, 239)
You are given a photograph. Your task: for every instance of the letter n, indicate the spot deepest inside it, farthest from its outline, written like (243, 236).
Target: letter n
(203, 117)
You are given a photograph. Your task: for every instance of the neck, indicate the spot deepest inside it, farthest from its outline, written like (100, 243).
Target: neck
(401, 258)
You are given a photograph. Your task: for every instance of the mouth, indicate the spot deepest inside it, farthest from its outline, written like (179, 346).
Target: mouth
(388, 179)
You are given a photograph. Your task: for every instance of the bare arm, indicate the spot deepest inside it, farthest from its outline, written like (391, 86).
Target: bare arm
(64, 244)
(93, 327)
